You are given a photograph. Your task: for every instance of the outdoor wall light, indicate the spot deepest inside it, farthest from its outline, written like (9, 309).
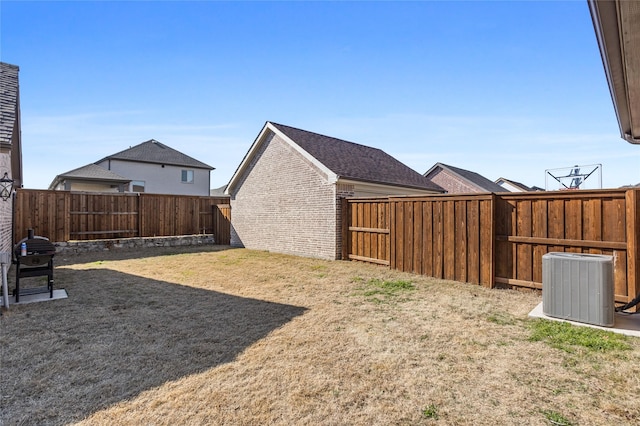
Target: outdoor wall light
(6, 187)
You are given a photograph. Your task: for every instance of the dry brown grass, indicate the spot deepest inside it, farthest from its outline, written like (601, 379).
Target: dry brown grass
(245, 337)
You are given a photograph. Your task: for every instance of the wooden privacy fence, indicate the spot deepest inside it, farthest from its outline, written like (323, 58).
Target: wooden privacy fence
(496, 239)
(64, 216)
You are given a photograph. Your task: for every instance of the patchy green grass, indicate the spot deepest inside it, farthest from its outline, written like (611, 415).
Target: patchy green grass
(146, 337)
(555, 418)
(502, 318)
(377, 290)
(430, 412)
(567, 337)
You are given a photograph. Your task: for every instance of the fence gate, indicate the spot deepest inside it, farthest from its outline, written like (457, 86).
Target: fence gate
(222, 224)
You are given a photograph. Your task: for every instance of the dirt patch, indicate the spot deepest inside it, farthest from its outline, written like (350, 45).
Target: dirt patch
(213, 336)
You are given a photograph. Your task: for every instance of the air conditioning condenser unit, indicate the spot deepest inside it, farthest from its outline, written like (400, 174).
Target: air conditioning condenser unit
(578, 287)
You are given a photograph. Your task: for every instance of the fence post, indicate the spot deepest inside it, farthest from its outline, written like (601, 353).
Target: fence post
(139, 205)
(632, 201)
(66, 229)
(344, 219)
(393, 234)
(492, 273)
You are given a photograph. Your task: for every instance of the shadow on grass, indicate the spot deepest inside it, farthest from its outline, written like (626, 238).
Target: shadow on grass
(116, 336)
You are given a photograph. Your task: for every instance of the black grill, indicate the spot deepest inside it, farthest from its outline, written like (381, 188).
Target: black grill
(38, 261)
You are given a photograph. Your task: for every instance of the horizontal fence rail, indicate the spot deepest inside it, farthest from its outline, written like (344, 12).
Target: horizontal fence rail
(496, 239)
(65, 216)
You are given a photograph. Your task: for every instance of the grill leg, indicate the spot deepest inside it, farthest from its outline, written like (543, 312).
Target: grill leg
(16, 291)
(50, 277)
(5, 287)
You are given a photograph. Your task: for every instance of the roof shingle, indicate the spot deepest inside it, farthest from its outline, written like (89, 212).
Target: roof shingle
(358, 162)
(89, 172)
(472, 177)
(155, 152)
(8, 100)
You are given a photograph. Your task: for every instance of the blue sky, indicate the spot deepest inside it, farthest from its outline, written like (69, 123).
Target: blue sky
(505, 89)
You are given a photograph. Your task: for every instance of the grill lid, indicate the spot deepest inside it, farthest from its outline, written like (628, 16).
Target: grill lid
(36, 246)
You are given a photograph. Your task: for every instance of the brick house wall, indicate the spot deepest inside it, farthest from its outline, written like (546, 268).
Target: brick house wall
(452, 183)
(285, 204)
(5, 208)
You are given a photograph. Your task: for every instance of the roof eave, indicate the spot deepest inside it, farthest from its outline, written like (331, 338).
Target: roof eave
(467, 180)
(614, 23)
(345, 179)
(168, 163)
(246, 160)
(268, 126)
(62, 178)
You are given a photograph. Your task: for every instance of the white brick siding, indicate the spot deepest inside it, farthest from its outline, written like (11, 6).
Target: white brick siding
(285, 204)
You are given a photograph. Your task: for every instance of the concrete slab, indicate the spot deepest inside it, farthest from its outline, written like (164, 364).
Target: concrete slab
(41, 297)
(622, 323)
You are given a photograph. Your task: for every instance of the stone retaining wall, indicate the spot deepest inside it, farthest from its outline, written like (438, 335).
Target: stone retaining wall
(92, 246)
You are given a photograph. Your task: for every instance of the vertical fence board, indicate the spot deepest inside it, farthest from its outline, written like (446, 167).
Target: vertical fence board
(418, 245)
(449, 247)
(344, 223)
(392, 235)
(366, 223)
(592, 229)
(427, 238)
(63, 215)
(501, 238)
(539, 230)
(222, 223)
(613, 220)
(473, 238)
(360, 241)
(407, 241)
(632, 200)
(383, 223)
(460, 240)
(487, 241)
(398, 241)
(524, 252)
(503, 248)
(373, 237)
(438, 239)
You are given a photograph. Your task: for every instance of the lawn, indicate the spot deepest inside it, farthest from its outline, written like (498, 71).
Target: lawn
(233, 336)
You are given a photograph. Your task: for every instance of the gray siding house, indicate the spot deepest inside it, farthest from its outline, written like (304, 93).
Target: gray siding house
(285, 194)
(156, 168)
(90, 178)
(148, 167)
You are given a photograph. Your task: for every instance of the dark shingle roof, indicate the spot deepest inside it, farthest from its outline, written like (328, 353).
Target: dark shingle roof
(218, 192)
(8, 100)
(89, 172)
(472, 177)
(514, 183)
(350, 160)
(93, 171)
(155, 152)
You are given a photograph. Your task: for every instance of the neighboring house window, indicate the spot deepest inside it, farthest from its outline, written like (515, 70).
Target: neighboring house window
(137, 186)
(187, 176)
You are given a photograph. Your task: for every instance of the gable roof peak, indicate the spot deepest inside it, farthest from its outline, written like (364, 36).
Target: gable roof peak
(283, 126)
(155, 152)
(344, 160)
(473, 178)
